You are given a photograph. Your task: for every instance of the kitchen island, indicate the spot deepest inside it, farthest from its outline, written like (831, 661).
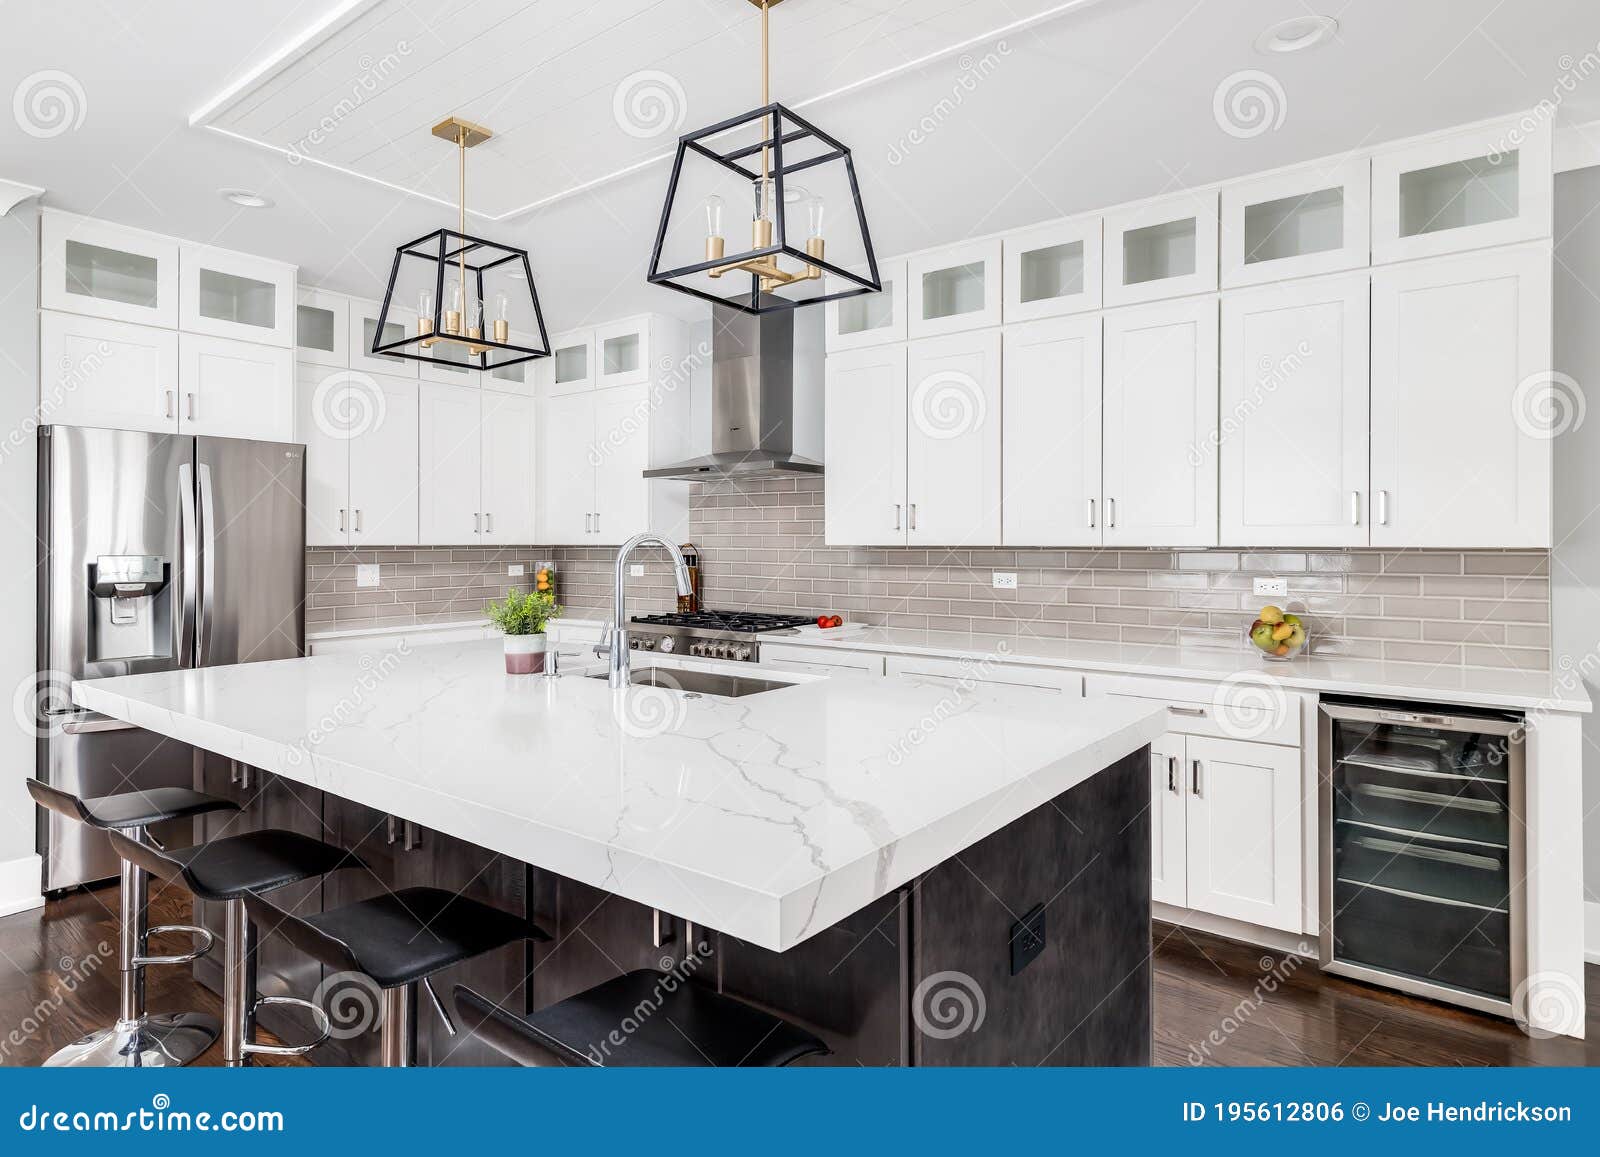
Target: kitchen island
(883, 862)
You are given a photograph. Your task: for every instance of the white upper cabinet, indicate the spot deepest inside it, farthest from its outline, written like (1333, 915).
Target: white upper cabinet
(620, 450)
(953, 440)
(564, 491)
(570, 368)
(1050, 411)
(322, 328)
(227, 294)
(363, 327)
(865, 433)
(513, 379)
(1160, 422)
(235, 389)
(1293, 454)
(953, 290)
(507, 468)
(1300, 223)
(868, 319)
(450, 510)
(1464, 403)
(382, 436)
(622, 352)
(1162, 248)
(1052, 270)
(110, 271)
(1470, 188)
(319, 402)
(112, 374)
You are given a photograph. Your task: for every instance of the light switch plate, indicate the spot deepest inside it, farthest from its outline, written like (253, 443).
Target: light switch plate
(636, 569)
(1270, 587)
(1005, 580)
(367, 574)
(516, 569)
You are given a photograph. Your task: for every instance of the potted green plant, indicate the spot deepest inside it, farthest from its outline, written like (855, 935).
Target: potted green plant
(522, 619)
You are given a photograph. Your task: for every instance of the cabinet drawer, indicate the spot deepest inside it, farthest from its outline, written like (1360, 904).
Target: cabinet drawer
(820, 661)
(1249, 711)
(1046, 679)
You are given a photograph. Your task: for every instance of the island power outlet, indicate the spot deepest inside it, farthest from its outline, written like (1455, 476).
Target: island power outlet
(1027, 939)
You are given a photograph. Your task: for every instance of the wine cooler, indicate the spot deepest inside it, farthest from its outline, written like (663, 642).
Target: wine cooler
(1422, 849)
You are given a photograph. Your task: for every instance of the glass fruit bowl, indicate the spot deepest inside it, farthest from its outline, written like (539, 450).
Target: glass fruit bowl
(1277, 636)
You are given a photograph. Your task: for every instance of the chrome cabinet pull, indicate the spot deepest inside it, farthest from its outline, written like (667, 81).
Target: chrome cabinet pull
(912, 511)
(358, 520)
(341, 520)
(488, 523)
(477, 523)
(597, 522)
(1111, 514)
(1172, 774)
(411, 836)
(1383, 508)
(897, 516)
(1195, 779)
(172, 401)
(189, 406)
(1091, 514)
(1355, 508)
(1195, 711)
(391, 829)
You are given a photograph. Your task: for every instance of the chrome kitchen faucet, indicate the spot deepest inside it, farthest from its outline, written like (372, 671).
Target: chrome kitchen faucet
(615, 645)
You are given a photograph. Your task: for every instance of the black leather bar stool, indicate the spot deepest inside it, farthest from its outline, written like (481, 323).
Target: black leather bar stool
(138, 1039)
(641, 1018)
(399, 939)
(226, 870)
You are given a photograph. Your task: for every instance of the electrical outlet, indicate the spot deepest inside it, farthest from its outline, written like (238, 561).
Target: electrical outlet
(1270, 587)
(1027, 939)
(516, 570)
(1005, 580)
(367, 574)
(636, 569)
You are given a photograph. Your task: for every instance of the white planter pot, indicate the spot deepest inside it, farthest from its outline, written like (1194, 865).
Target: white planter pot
(524, 654)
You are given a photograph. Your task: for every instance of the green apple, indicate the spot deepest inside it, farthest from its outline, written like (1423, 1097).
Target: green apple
(1261, 636)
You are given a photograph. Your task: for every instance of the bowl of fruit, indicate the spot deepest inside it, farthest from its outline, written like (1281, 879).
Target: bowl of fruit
(1278, 636)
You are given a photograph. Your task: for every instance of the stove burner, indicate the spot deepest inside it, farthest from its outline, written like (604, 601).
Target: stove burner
(747, 622)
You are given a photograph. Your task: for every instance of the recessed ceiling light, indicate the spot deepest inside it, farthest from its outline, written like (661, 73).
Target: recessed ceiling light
(245, 198)
(1297, 34)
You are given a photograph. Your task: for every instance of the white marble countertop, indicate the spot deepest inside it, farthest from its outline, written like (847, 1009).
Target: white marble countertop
(769, 817)
(1482, 686)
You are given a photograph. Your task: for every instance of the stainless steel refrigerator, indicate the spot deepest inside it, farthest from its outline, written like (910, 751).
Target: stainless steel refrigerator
(156, 552)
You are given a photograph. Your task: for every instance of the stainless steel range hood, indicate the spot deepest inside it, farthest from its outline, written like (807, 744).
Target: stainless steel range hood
(763, 416)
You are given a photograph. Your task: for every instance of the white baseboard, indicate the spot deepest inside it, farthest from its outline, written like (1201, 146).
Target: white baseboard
(1273, 938)
(1591, 932)
(19, 885)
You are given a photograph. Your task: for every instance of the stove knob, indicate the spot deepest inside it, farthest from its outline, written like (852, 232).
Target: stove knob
(742, 653)
(648, 644)
(668, 645)
(697, 649)
(633, 644)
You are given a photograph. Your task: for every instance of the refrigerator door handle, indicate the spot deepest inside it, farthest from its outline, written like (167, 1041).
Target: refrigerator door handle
(208, 563)
(188, 598)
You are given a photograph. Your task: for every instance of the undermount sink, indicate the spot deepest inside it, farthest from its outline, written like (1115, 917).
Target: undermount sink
(699, 682)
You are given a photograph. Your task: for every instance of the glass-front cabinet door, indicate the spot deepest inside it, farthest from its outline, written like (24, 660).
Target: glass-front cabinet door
(1052, 270)
(868, 319)
(953, 290)
(622, 352)
(363, 327)
(570, 368)
(1296, 224)
(322, 328)
(1162, 248)
(1488, 185)
(227, 294)
(104, 270)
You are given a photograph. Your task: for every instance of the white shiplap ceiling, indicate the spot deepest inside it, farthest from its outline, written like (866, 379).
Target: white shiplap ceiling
(574, 93)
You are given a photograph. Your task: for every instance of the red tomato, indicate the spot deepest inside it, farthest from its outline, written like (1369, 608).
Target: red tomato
(822, 620)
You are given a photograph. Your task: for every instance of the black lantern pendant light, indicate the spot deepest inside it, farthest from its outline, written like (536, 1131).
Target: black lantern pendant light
(773, 273)
(461, 283)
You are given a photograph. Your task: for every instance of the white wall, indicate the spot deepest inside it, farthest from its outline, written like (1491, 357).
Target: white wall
(1575, 563)
(19, 399)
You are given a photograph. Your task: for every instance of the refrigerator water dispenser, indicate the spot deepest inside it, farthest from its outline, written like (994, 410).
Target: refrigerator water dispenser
(131, 608)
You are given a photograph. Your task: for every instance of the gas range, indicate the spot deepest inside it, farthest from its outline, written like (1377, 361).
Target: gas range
(730, 635)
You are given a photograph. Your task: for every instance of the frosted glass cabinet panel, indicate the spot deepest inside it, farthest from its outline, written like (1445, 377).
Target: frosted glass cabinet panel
(954, 290)
(322, 328)
(868, 319)
(1488, 185)
(1296, 224)
(1164, 248)
(1052, 270)
(570, 368)
(622, 352)
(103, 270)
(227, 294)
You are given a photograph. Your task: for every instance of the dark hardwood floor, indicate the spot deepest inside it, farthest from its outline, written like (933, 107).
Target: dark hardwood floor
(1218, 1002)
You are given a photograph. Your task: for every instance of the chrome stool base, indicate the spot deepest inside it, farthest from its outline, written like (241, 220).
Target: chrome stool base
(161, 1040)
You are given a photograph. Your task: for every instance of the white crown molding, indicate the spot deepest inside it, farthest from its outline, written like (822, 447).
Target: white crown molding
(1577, 146)
(14, 193)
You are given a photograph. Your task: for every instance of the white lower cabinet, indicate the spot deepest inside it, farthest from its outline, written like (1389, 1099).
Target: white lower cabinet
(111, 374)
(1169, 839)
(361, 434)
(1465, 405)
(235, 389)
(593, 449)
(1050, 420)
(1160, 424)
(475, 482)
(1293, 452)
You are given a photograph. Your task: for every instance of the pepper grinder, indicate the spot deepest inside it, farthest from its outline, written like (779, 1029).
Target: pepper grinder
(690, 603)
